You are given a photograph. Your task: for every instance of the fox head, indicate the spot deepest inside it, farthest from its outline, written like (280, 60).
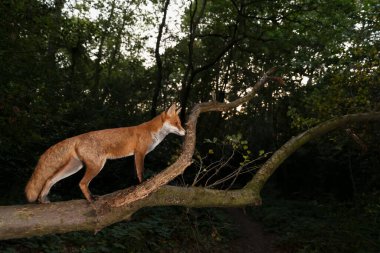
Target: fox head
(171, 120)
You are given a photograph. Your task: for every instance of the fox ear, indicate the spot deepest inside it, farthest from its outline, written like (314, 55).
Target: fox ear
(171, 111)
(178, 111)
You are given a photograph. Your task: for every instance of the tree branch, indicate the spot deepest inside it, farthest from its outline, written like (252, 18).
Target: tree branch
(261, 177)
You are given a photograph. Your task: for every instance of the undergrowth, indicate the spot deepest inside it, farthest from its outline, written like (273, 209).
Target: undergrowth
(161, 229)
(314, 227)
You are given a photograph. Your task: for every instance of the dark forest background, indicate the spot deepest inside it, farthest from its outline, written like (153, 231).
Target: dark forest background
(69, 67)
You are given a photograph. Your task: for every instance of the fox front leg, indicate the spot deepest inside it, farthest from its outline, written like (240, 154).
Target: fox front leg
(139, 164)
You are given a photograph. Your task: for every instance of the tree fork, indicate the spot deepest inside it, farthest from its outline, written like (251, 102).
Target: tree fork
(30, 220)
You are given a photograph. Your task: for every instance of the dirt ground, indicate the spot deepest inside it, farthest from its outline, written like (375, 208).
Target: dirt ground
(252, 238)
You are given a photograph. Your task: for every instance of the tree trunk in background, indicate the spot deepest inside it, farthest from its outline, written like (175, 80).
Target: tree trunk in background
(114, 53)
(54, 34)
(53, 41)
(191, 72)
(188, 77)
(99, 55)
(159, 75)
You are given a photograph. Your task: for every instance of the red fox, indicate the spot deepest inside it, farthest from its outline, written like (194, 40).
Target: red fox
(92, 149)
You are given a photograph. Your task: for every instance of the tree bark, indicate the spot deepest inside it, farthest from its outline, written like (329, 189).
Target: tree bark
(60, 217)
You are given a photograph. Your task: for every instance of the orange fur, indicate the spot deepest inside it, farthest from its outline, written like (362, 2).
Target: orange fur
(94, 148)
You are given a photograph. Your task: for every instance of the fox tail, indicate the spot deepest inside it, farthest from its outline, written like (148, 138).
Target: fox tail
(35, 184)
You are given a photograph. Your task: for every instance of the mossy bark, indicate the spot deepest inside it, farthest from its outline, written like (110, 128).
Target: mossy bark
(61, 217)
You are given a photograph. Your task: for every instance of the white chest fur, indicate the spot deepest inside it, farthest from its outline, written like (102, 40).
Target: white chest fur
(158, 136)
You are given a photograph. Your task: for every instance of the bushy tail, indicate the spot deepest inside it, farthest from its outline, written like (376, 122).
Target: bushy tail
(50, 162)
(35, 184)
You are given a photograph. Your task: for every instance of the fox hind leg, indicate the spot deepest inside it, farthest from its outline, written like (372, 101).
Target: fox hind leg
(70, 168)
(92, 169)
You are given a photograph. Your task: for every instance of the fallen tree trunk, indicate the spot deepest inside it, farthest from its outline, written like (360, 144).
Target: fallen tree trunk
(60, 217)
(75, 215)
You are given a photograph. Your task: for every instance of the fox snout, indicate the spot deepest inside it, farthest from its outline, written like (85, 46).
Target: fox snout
(174, 129)
(181, 132)
(173, 122)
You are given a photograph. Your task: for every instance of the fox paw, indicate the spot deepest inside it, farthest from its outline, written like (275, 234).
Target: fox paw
(43, 200)
(93, 198)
